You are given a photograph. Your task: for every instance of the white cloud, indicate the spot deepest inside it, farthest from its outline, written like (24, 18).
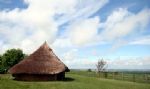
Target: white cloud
(116, 45)
(21, 25)
(122, 22)
(30, 27)
(84, 32)
(129, 63)
(72, 58)
(83, 63)
(83, 10)
(61, 43)
(70, 55)
(141, 41)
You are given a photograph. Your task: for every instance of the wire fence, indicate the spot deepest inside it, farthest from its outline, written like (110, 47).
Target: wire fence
(134, 77)
(125, 76)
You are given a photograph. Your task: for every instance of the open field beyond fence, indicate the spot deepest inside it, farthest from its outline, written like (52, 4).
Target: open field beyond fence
(140, 77)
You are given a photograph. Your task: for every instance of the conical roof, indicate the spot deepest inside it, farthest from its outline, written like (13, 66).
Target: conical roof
(42, 61)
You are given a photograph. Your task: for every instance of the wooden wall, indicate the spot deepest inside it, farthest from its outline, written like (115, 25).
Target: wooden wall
(39, 77)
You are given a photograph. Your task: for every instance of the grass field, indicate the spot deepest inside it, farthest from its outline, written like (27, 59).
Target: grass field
(73, 81)
(141, 77)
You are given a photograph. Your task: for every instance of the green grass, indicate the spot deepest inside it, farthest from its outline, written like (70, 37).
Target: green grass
(77, 82)
(126, 76)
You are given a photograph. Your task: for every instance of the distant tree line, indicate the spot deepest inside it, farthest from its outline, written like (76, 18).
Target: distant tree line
(10, 58)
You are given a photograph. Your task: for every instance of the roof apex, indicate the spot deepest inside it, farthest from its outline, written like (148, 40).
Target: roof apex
(45, 45)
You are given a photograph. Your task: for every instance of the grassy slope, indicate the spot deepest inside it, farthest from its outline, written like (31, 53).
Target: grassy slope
(79, 82)
(128, 76)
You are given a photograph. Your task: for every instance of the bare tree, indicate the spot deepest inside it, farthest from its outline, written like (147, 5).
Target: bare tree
(101, 66)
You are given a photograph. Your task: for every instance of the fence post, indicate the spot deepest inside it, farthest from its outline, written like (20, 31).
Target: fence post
(122, 76)
(113, 75)
(105, 74)
(100, 73)
(133, 77)
(146, 78)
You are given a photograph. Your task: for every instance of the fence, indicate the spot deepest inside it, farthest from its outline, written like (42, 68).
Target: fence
(141, 77)
(134, 77)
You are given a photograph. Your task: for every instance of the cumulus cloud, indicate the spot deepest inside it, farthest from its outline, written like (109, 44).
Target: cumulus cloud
(141, 41)
(83, 10)
(70, 55)
(119, 24)
(21, 26)
(73, 60)
(28, 28)
(122, 23)
(84, 32)
(61, 43)
(130, 62)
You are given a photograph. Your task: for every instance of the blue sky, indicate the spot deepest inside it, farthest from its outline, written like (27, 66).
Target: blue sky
(80, 31)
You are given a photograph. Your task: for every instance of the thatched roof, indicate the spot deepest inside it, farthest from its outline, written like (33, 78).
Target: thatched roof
(42, 61)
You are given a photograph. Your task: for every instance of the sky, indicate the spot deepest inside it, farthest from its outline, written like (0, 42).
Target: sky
(80, 32)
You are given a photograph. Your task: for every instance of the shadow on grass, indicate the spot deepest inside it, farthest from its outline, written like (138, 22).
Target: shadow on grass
(68, 79)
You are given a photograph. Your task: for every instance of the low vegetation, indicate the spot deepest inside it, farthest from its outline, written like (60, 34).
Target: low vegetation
(134, 76)
(74, 80)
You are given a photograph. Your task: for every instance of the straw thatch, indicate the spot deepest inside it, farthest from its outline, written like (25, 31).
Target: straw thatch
(43, 62)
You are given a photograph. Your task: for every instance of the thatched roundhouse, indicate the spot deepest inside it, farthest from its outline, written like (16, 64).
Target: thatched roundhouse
(42, 65)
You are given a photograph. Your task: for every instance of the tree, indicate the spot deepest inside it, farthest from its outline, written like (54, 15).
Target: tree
(101, 66)
(12, 57)
(89, 70)
(1, 60)
(2, 68)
